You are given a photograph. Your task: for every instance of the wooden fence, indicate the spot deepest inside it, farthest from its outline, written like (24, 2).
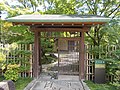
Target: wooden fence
(105, 51)
(89, 65)
(17, 56)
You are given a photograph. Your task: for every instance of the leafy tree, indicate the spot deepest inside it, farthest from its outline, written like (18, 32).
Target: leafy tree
(20, 34)
(61, 7)
(106, 8)
(111, 33)
(13, 11)
(113, 66)
(33, 4)
(96, 36)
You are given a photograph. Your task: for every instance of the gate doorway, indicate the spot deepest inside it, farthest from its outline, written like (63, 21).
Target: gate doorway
(58, 23)
(67, 51)
(68, 60)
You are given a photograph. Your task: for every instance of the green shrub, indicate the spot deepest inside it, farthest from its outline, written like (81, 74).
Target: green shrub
(1, 78)
(12, 72)
(117, 79)
(2, 57)
(22, 57)
(113, 67)
(48, 59)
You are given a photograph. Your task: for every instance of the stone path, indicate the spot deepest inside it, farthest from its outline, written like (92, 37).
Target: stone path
(64, 82)
(45, 83)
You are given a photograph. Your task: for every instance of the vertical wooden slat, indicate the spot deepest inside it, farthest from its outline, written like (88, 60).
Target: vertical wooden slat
(58, 55)
(89, 65)
(25, 60)
(30, 61)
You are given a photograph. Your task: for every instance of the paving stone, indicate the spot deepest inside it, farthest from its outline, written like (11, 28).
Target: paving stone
(48, 84)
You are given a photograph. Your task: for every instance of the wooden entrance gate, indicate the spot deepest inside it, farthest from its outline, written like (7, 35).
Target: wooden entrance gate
(58, 23)
(68, 62)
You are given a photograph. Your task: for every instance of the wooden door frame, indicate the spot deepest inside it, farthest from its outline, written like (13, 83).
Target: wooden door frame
(37, 53)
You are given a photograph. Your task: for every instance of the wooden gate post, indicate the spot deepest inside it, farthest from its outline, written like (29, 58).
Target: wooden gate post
(82, 57)
(36, 57)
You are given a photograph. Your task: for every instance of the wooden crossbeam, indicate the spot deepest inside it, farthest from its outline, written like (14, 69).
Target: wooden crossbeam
(58, 23)
(84, 29)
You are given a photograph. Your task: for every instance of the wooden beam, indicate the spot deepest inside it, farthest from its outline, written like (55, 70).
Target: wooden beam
(36, 54)
(84, 29)
(70, 38)
(57, 23)
(82, 57)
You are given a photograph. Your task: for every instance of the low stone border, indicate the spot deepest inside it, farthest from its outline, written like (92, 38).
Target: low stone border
(31, 84)
(7, 85)
(85, 85)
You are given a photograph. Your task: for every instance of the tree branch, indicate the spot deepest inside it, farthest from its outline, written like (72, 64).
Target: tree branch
(95, 8)
(114, 10)
(115, 14)
(104, 9)
(91, 38)
(90, 7)
(98, 34)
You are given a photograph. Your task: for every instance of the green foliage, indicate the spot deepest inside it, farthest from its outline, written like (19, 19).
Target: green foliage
(48, 59)
(47, 44)
(21, 34)
(4, 51)
(99, 36)
(23, 57)
(107, 8)
(117, 78)
(61, 7)
(2, 57)
(1, 78)
(17, 56)
(4, 31)
(17, 33)
(47, 47)
(94, 86)
(13, 10)
(111, 33)
(113, 67)
(21, 83)
(12, 72)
